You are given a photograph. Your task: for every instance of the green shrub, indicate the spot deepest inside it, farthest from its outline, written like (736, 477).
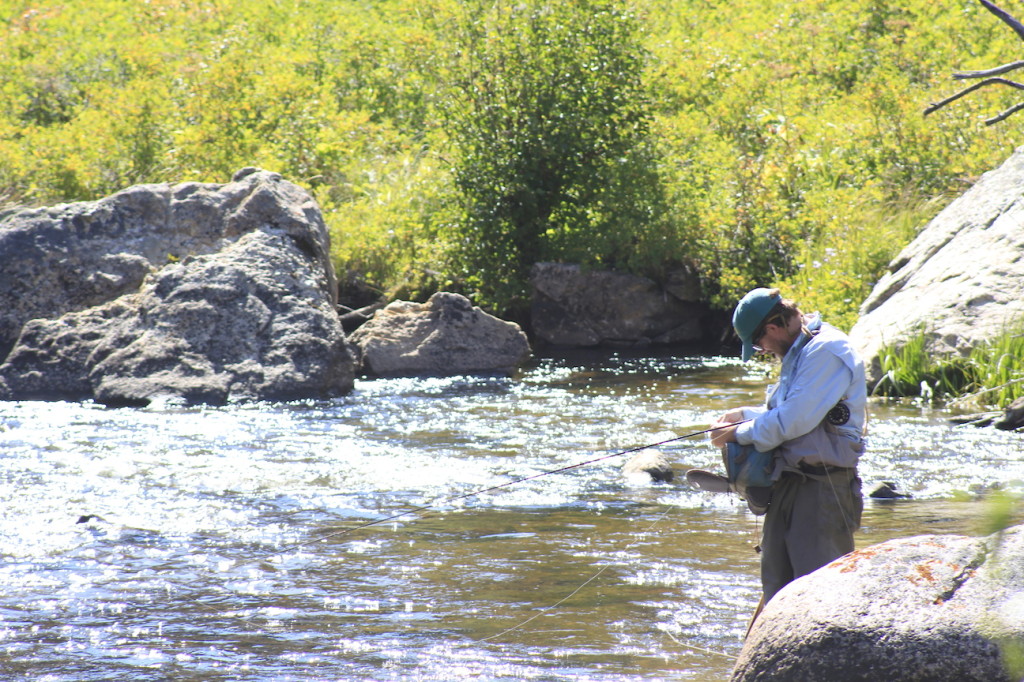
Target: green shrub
(796, 130)
(839, 265)
(549, 124)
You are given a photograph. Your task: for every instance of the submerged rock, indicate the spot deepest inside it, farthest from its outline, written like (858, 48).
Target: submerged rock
(226, 292)
(650, 463)
(886, 490)
(1013, 416)
(933, 607)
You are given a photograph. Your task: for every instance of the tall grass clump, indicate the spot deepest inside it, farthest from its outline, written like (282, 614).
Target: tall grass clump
(999, 369)
(991, 375)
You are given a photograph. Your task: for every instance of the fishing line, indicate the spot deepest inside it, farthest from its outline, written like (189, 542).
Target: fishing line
(448, 501)
(698, 649)
(591, 579)
(574, 592)
(604, 568)
(546, 608)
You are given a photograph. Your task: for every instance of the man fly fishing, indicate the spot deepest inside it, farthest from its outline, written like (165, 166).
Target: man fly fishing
(812, 425)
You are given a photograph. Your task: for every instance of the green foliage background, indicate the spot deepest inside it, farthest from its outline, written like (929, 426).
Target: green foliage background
(761, 142)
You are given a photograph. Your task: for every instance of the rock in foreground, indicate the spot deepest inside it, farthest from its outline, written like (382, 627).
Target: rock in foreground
(934, 607)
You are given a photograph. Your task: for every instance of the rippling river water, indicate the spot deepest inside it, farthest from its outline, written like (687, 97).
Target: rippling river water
(210, 543)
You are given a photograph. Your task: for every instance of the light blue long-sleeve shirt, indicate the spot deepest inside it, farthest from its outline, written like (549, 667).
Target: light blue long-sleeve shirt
(818, 371)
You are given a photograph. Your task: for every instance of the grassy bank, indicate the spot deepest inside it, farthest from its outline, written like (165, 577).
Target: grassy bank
(761, 143)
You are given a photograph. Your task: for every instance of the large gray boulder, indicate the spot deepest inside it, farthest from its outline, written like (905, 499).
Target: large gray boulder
(573, 307)
(960, 281)
(207, 292)
(933, 607)
(446, 335)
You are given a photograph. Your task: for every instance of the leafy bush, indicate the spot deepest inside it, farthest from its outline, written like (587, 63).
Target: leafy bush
(837, 268)
(549, 123)
(798, 128)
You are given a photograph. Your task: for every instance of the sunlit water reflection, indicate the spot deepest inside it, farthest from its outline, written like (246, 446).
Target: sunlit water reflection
(216, 544)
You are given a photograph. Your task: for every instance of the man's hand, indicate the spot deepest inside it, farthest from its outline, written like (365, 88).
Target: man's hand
(723, 435)
(732, 416)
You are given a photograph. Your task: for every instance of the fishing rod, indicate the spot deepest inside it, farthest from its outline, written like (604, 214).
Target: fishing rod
(429, 507)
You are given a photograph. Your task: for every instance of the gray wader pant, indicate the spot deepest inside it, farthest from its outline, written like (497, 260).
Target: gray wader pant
(810, 522)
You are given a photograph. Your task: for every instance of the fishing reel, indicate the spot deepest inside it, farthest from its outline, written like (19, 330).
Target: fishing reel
(838, 415)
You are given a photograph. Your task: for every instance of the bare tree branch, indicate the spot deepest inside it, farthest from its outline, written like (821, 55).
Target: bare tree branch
(968, 90)
(990, 74)
(1005, 115)
(1005, 16)
(1005, 68)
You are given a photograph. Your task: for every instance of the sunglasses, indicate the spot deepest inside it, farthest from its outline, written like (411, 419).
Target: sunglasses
(756, 338)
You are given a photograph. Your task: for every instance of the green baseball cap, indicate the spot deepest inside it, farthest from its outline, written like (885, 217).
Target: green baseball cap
(750, 313)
